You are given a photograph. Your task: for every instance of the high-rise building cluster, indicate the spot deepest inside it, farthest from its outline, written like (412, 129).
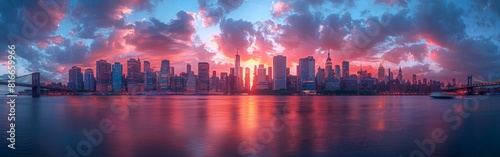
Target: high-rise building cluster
(309, 79)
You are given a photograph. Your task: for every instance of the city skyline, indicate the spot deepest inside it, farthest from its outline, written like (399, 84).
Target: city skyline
(212, 31)
(307, 80)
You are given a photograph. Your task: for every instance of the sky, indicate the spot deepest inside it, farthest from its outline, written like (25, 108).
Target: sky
(437, 40)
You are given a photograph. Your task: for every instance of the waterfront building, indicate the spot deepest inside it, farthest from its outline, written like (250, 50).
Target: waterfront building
(279, 75)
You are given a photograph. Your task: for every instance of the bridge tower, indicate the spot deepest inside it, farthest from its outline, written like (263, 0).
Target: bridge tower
(35, 84)
(470, 89)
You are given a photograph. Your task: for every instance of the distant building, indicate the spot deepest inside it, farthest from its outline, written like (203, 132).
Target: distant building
(231, 82)
(164, 75)
(345, 68)
(178, 84)
(261, 78)
(291, 83)
(75, 79)
(306, 70)
(332, 83)
(214, 82)
(279, 76)
(414, 77)
(337, 71)
(351, 82)
(224, 82)
(329, 66)
(237, 72)
(320, 78)
(103, 76)
(134, 75)
(203, 77)
(89, 80)
(191, 81)
(247, 79)
(116, 76)
(400, 75)
(381, 73)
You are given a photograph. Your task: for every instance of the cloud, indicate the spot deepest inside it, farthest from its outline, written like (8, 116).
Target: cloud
(280, 9)
(235, 35)
(439, 22)
(91, 15)
(157, 38)
(28, 21)
(417, 51)
(393, 2)
(299, 35)
(212, 13)
(477, 57)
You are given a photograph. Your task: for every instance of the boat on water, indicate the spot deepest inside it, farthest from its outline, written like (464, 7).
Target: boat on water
(442, 95)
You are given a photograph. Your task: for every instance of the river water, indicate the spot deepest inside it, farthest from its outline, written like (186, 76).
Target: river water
(127, 126)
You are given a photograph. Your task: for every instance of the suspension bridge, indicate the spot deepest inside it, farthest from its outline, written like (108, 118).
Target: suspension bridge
(33, 80)
(473, 82)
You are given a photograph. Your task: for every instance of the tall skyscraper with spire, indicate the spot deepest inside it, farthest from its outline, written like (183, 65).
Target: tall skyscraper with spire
(381, 73)
(237, 71)
(400, 75)
(328, 66)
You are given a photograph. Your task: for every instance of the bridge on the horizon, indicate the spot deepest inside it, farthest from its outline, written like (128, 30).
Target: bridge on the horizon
(472, 83)
(33, 80)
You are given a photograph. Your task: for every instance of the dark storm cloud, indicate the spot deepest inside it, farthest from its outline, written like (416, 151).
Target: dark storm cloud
(300, 34)
(91, 15)
(155, 37)
(335, 28)
(27, 21)
(31, 25)
(475, 56)
(439, 22)
(235, 35)
(212, 13)
(68, 53)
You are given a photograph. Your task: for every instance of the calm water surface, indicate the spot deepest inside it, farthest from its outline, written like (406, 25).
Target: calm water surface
(254, 125)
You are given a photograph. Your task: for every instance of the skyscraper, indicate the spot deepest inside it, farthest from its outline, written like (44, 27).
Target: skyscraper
(261, 78)
(116, 76)
(328, 66)
(381, 73)
(164, 75)
(306, 71)
(337, 71)
(103, 76)
(75, 81)
(224, 82)
(89, 80)
(133, 75)
(345, 68)
(172, 71)
(414, 81)
(269, 77)
(231, 82)
(279, 75)
(247, 78)
(237, 70)
(214, 82)
(320, 78)
(203, 77)
(400, 75)
(149, 77)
